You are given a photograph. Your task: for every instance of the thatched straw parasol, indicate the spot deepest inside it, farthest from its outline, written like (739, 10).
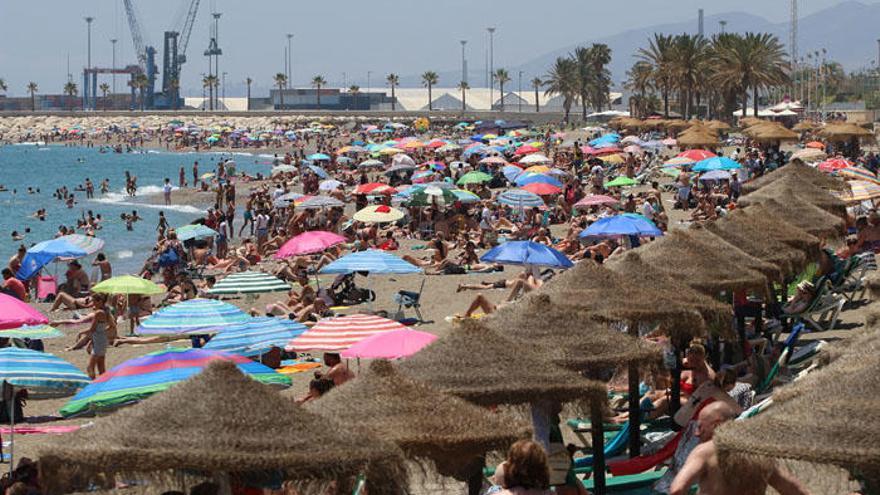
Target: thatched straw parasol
(751, 121)
(479, 365)
(759, 219)
(799, 170)
(610, 296)
(803, 126)
(845, 131)
(718, 125)
(677, 124)
(832, 420)
(571, 337)
(771, 132)
(697, 139)
(221, 421)
(742, 234)
(716, 314)
(706, 262)
(806, 216)
(425, 423)
(792, 186)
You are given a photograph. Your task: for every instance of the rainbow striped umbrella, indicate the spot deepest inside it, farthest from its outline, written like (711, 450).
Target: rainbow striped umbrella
(256, 336)
(31, 332)
(860, 190)
(196, 316)
(249, 283)
(857, 173)
(90, 245)
(40, 371)
(139, 378)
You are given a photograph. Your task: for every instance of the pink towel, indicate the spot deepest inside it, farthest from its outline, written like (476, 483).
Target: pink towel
(34, 430)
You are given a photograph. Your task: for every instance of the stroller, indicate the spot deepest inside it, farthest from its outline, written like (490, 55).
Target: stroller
(345, 292)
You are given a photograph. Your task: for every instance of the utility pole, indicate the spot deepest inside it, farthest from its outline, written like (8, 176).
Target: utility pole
(113, 42)
(491, 66)
(723, 24)
(289, 60)
(344, 80)
(464, 61)
(286, 68)
(223, 83)
(700, 22)
(793, 34)
(89, 49)
(520, 91)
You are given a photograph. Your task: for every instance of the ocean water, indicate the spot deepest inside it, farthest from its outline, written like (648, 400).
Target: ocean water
(49, 168)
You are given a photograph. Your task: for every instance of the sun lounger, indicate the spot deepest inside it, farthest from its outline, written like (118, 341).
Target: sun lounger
(46, 286)
(823, 311)
(852, 284)
(629, 484)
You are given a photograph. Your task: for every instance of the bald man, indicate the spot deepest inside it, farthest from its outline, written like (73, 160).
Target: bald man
(702, 465)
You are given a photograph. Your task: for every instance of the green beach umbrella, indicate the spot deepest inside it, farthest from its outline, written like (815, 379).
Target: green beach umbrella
(194, 231)
(474, 177)
(249, 283)
(620, 182)
(128, 284)
(432, 195)
(31, 332)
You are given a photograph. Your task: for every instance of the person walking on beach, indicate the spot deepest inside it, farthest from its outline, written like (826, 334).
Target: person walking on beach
(182, 177)
(196, 174)
(99, 334)
(163, 224)
(166, 190)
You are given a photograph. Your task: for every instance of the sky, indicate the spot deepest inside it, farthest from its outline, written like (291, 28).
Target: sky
(330, 36)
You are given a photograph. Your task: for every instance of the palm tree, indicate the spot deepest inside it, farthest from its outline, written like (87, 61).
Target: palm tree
(318, 82)
(502, 77)
(208, 82)
(140, 83)
(32, 89)
(659, 55)
(463, 87)
(3, 86)
(174, 87)
(639, 80)
(105, 90)
(600, 57)
(750, 62)
(354, 90)
(689, 55)
(563, 80)
(429, 79)
(281, 82)
(393, 80)
(248, 81)
(70, 90)
(536, 84)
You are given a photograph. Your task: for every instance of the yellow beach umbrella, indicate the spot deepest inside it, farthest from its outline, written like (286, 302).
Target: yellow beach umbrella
(412, 145)
(378, 214)
(613, 159)
(390, 151)
(538, 169)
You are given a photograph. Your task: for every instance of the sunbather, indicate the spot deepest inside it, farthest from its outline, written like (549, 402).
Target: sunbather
(697, 370)
(802, 298)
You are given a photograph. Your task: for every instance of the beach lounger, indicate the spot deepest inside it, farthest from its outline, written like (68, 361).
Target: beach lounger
(632, 484)
(410, 299)
(47, 287)
(824, 310)
(852, 284)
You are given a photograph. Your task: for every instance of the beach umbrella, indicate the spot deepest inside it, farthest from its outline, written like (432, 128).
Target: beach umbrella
(402, 159)
(310, 242)
(40, 372)
(195, 231)
(465, 196)
(36, 332)
(210, 175)
(533, 178)
(220, 422)
(541, 189)
(140, 377)
(809, 155)
(372, 261)
(538, 169)
(195, 316)
(249, 282)
(390, 151)
(399, 167)
(520, 198)
(422, 177)
(371, 163)
(128, 284)
(284, 200)
(511, 172)
(596, 200)
(393, 344)
(716, 175)
(378, 214)
(526, 253)
(317, 157)
(621, 181)
(794, 187)
(612, 159)
(253, 338)
(316, 202)
(858, 173)
(716, 163)
(696, 155)
(15, 313)
(861, 190)
(425, 423)
(496, 160)
(283, 169)
(320, 172)
(625, 224)
(87, 243)
(525, 150)
(834, 164)
(341, 332)
(374, 188)
(43, 253)
(750, 237)
(329, 185)
(535, 158)
(432, 196)
(801, 214)
(475, 177)
(678, 161)
(815, 144)
(448, 148)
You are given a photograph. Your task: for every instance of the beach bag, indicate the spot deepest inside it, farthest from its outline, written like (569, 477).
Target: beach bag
(169, 257)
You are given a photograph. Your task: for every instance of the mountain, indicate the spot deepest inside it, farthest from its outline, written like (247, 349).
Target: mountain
(847, 31)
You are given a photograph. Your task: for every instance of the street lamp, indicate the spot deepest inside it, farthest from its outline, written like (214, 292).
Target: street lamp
(491, 66)
(89, 20)
(223, 83)
(289, 59)
(113, 42)
(463, 62)
(520, 91)
(723, 23)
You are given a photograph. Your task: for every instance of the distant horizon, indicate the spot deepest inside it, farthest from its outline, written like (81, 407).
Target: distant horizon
(382, 37)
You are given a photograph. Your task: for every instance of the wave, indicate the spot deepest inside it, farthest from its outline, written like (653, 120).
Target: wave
(121, 198)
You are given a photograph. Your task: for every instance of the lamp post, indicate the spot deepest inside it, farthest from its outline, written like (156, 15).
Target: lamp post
(223, 83)
(289, 60)
(113, 43)
(491, 66)
(519, 96)
(463, 62)
(723, 24)
(89, 20)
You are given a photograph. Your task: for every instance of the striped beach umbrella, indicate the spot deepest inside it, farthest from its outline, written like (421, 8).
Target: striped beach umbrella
(254, 337)
(317, 202)
(39, 371)
(89, 244)
(858, 173)
(336, 334)
(519, 198)
(141, 377)
(31, 332)
(859, 190)
(196, 316)
(372, 261)
(249, 282)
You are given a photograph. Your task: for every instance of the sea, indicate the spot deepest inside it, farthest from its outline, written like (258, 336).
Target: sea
(47, 168)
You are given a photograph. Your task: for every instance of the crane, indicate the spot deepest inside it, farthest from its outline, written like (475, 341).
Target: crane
(174, 53)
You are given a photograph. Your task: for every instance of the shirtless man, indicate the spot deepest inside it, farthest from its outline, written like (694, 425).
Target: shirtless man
(702, 466)
(338, 372)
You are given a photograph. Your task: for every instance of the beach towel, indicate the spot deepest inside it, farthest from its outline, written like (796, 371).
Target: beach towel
(40, 430)
(46, 286)
(298, 368)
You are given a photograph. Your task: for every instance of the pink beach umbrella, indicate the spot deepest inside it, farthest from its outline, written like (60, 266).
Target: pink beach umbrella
(15, 313)
(596, 200)
(309, 242)
(342, 332)
(395, 344)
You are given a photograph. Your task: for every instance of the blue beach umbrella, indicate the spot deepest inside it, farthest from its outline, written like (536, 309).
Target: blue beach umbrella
(520, 198)
(40, 371)
(372, 261)
(254, 337)
(511, 172)
(531, 178)
(622, 225)
(46, 252)
(320, 172)
(195, 231)
(196, 316)
(318, 156)
(716, 163)
(527, 253)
